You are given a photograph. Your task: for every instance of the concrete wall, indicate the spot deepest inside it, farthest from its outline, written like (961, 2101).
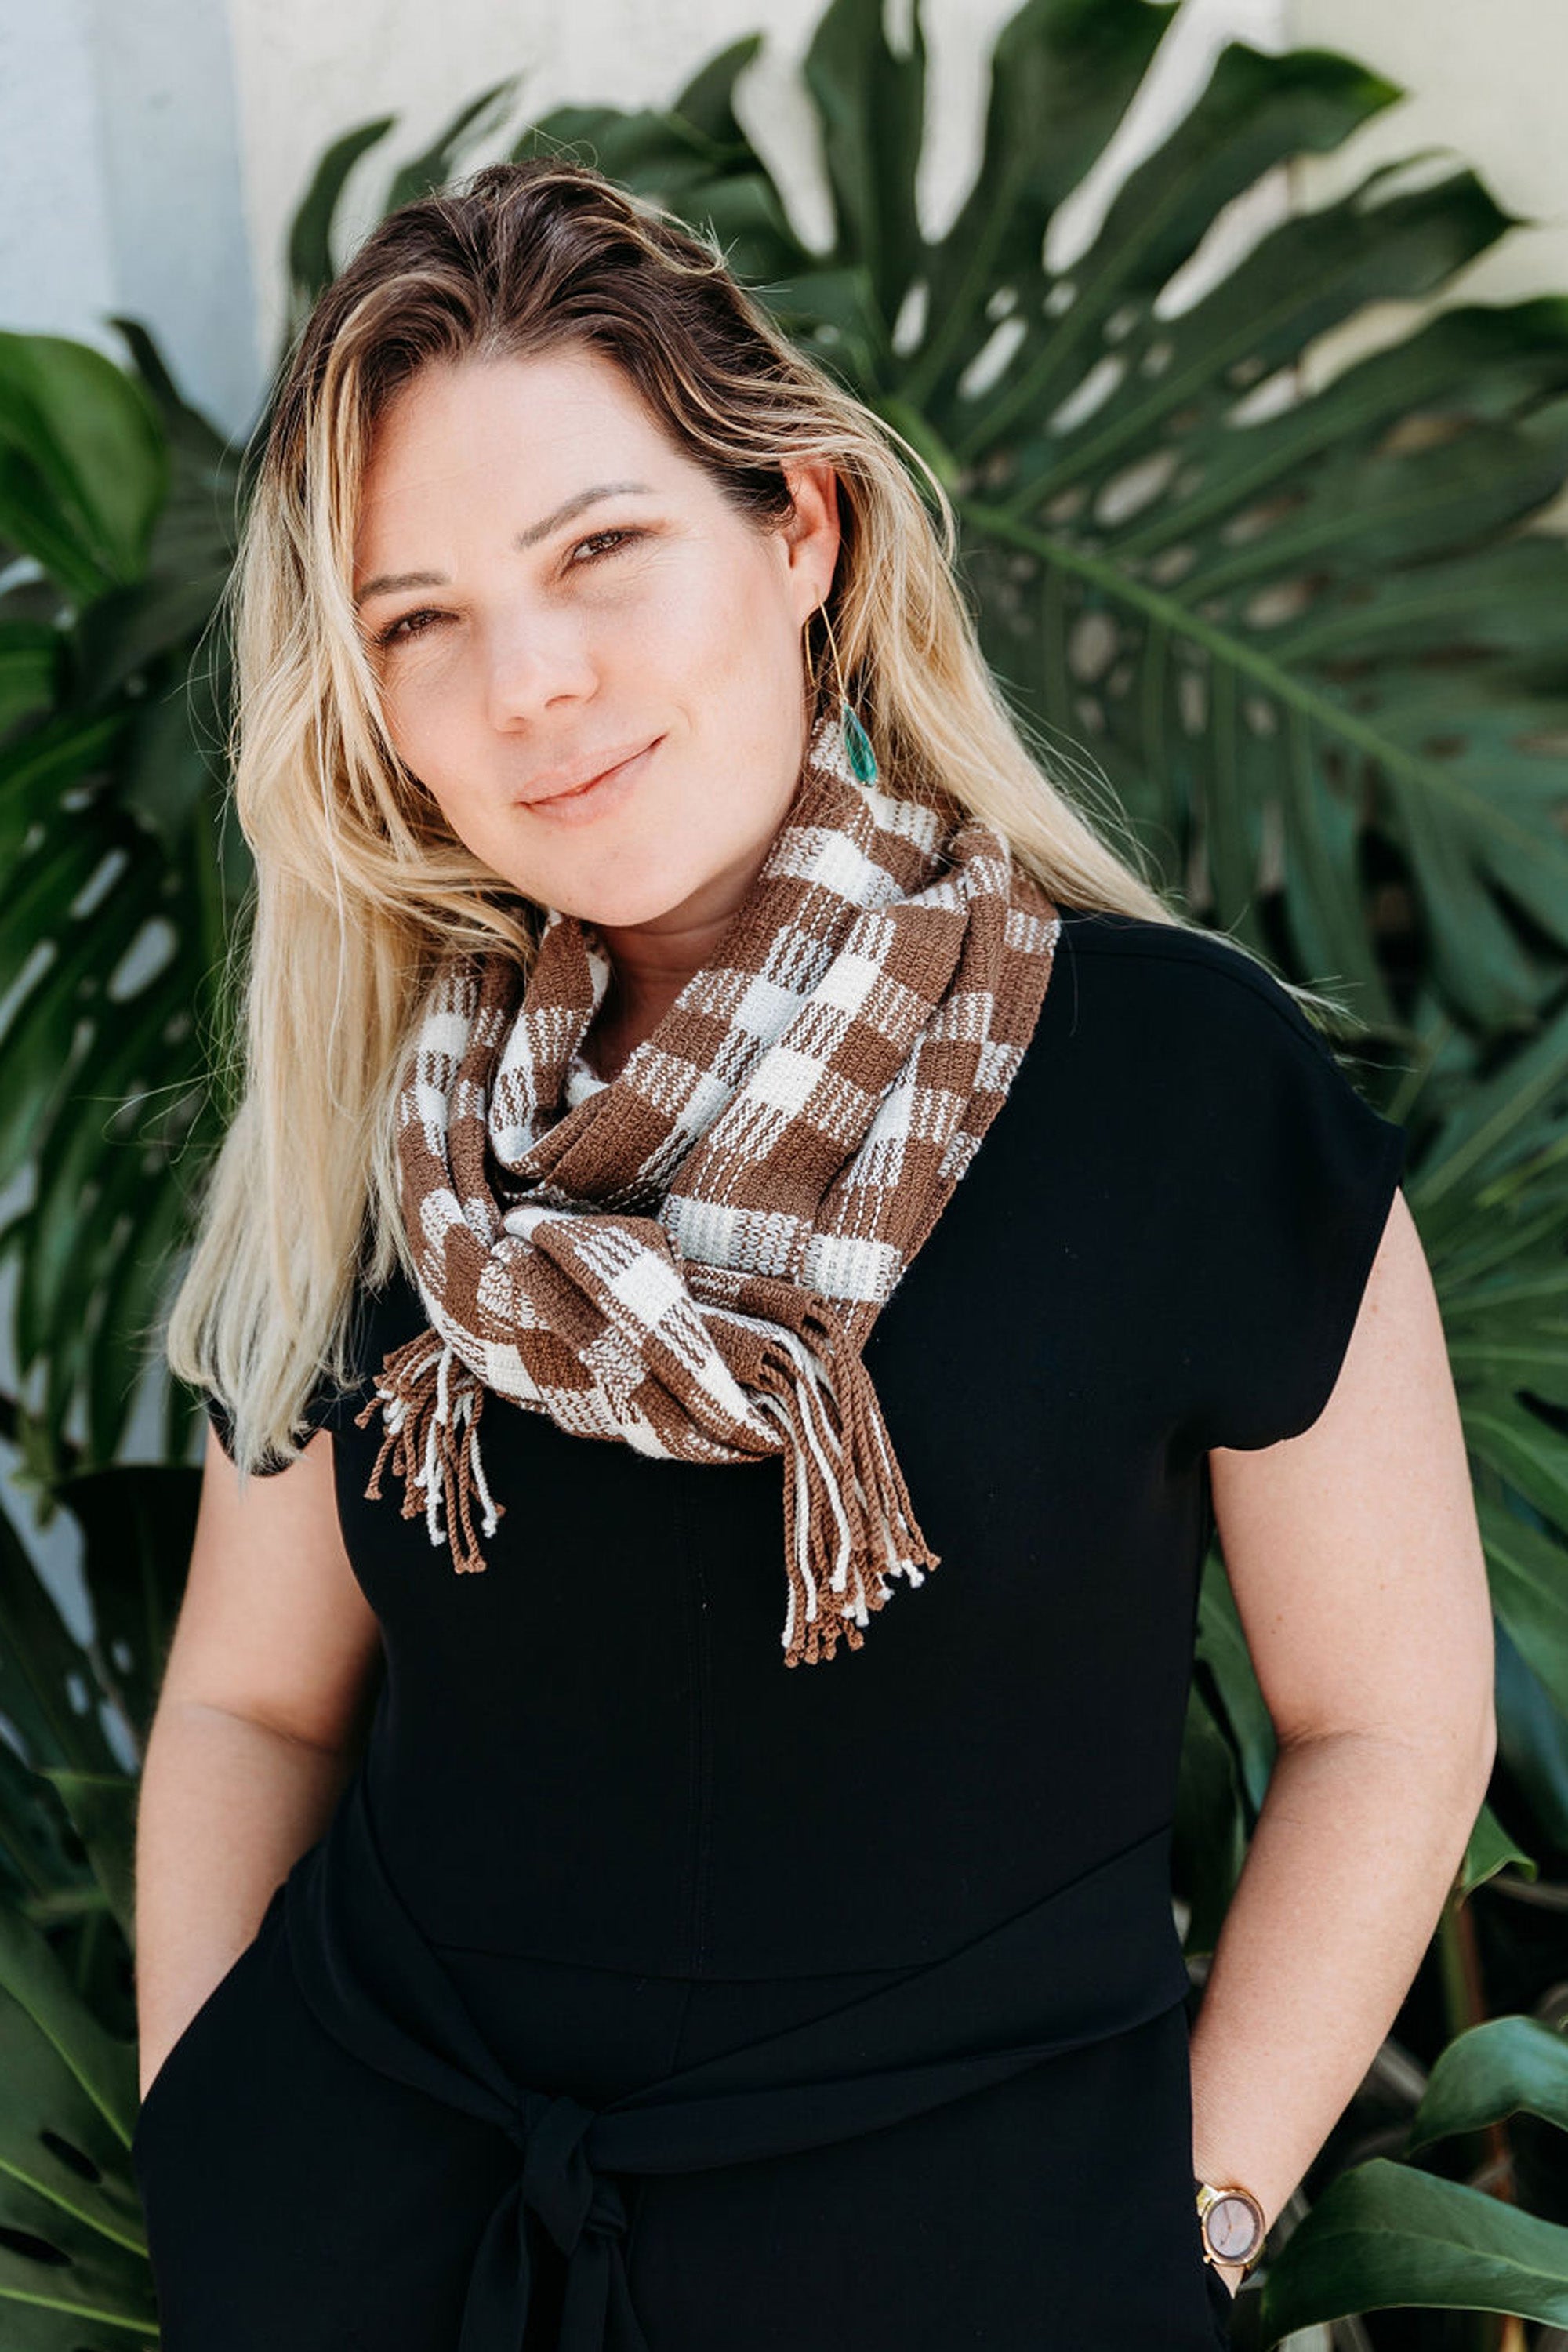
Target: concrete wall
(123, 185)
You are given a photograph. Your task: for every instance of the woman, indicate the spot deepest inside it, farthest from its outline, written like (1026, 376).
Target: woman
(682, 1016)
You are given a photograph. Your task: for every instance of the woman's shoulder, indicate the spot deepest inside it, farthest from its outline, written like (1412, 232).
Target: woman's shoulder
(1252, 1172)
(1167, 996)
(384, 1309)
(1165, 962)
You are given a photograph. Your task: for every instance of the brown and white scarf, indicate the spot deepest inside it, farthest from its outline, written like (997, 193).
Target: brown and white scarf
(688, 1258)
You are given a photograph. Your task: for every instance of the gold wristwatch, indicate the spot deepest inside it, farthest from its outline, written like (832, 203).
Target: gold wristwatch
(1231, 2220)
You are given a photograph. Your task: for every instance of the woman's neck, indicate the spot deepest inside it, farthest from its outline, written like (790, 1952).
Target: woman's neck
(632, 1010)
(652, 963)
(649, 968)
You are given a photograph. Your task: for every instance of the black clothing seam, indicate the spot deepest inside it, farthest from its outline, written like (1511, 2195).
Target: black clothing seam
(800, 1975)
(702, 1688)
(688, 1860)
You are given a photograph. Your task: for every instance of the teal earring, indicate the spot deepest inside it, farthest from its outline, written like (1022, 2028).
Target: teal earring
(857, 748)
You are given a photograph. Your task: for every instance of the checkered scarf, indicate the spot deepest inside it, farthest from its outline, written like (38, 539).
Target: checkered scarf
(689, 1257)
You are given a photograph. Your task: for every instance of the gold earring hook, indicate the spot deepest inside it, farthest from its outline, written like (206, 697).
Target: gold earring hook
(832, 644)
(858, 746)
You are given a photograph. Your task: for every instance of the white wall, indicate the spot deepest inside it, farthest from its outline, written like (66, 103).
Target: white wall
(1486, 80)
(121, 185)
(55, 266)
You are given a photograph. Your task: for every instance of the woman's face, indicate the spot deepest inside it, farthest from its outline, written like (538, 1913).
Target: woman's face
(547, 585)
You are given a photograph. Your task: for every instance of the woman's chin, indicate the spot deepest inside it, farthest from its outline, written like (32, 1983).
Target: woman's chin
(640, 904)
(639, 915)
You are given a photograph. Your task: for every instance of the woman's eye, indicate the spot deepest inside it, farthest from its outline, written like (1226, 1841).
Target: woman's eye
(415, 625)
(597, 540)
(408, 625)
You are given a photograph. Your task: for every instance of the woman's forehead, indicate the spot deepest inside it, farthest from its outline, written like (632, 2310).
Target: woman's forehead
(541, 432)
(538, 408)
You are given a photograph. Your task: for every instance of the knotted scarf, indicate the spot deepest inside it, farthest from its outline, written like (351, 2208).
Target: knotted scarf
(687, 1257)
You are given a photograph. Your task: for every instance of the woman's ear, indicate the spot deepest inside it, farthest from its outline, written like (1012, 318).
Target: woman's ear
(811, 534)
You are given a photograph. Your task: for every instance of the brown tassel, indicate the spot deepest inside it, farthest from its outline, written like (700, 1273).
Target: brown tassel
(850, 1524)
(431, 1404)
(842, 1477)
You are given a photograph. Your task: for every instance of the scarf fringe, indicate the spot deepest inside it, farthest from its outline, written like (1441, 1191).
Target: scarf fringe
(850, 1525)
(844, 1535)
(431, 1404)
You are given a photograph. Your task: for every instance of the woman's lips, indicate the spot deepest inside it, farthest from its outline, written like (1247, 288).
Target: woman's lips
(587, 802)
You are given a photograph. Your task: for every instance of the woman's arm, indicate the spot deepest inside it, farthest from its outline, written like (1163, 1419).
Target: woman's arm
(1359, 1576)
(257, 1723)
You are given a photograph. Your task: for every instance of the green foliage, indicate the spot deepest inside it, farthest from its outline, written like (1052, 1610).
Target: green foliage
(1308, 635)
(65, 2178)
(73, 2266)
(1383, 2234)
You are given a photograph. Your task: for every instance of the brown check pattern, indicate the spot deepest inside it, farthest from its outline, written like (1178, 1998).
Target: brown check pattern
(689, 1257)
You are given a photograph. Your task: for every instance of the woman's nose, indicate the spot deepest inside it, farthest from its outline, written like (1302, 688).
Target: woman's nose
(532, 662)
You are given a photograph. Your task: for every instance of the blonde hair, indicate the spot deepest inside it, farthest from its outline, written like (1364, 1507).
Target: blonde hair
(359, 886)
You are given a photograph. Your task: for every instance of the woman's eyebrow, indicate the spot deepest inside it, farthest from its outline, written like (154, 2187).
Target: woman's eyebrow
(573, 506)
(386, 583)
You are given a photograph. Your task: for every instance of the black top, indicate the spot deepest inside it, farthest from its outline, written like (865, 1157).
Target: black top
(593, 1751)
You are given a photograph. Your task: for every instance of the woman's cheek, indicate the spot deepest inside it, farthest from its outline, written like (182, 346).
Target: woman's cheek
(434, 716)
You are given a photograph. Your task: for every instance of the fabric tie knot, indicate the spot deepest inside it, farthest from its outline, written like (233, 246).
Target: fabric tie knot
(558, 2181)
(584, 2214)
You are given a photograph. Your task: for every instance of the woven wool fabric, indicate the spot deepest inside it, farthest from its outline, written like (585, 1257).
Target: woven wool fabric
(687, 1257)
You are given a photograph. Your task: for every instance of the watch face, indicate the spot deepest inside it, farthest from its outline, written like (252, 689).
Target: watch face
(1232, 2228)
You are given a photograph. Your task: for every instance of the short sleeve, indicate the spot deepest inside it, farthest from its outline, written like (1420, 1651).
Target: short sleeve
(1297, 1178)
(321, 1411)
(326, 1404)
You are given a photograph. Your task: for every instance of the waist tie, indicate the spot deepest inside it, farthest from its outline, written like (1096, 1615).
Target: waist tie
(1093, 1959)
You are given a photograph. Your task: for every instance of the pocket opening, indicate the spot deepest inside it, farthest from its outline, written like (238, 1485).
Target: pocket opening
(181, 2043)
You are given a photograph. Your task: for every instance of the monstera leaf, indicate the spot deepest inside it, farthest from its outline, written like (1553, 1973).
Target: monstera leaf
(117, 901)
(74, 2275)
(1274, 618)
(83, 468)
(79, 1707)
(73, 2246)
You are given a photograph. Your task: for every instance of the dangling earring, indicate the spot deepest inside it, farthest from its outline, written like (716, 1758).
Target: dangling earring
(857, 748)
